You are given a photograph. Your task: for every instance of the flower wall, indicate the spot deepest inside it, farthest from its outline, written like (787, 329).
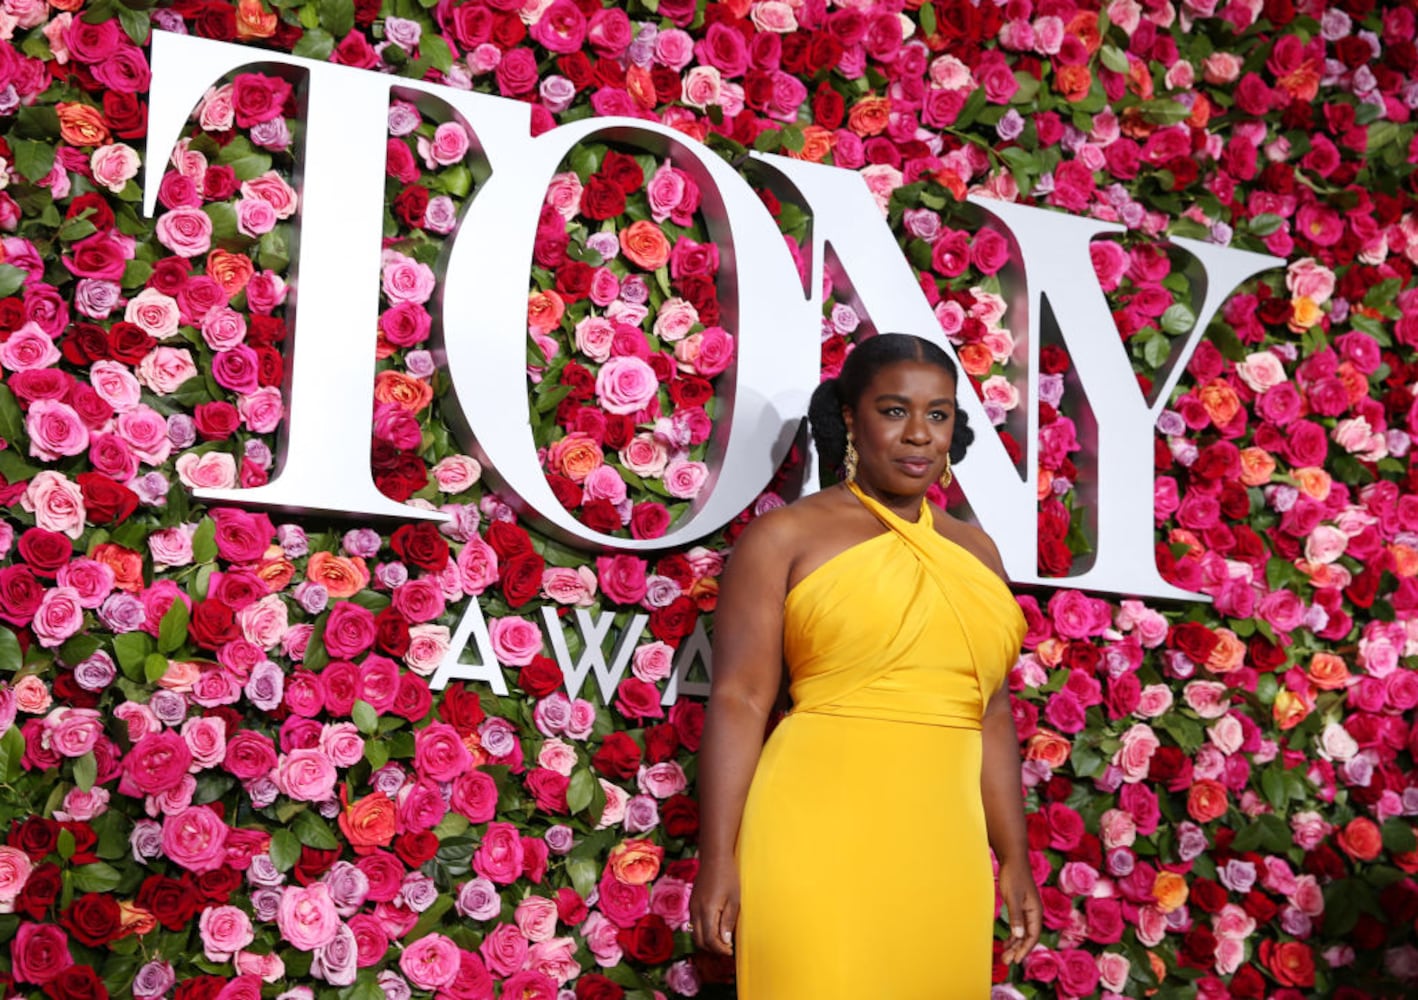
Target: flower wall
(224, 772)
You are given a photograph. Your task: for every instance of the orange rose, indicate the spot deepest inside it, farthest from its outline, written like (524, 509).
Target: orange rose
(1290, 962)
(1139, 79)
(1229, 653)
(1074, 82)
(1084, 27)
(1050, 652)
(1220, 402)
(341, 576)
(817, 143)
(133, 919)
(369, 823)
(179, 676)
(1361, 840)
(81, 125)
(405, 391)
(1328, 672)
(1170, 891)
(126, 564)
(705, 593)
(275, 572)
(1356, 383)
(1201, 112)
(1304, 313)
(1207, 801)
(869, 116)
(545, 309)
(1314, 482)
(641, 87)
(1405, 559)
(252, 21)
(635, 862)
(1045, 488)
(1048, 747)
(645, 245)
(1290, 709)
(976, 359)
(575, 456)
(1257, 466)
(230, 270)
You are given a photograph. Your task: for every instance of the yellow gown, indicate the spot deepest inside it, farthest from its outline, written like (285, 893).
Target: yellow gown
(863, 858)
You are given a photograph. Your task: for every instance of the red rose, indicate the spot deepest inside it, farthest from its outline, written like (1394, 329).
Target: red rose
(78, 982)
(508, 539)
(40, 891)
(620, 428)
(688, 719)
(271, 369)
(1171, 767)
(678, 569)
(581, 381)
(828, 107)
(214, 20)
(548, 788)
(1193, 639)
(413, 699)
(661, 742)
(649, 941)
(213, 624)
(354, 50)
(1198, 948)
(128, 343)
(618, 757)
(1247, 983)
(461, 709)
(622, 170)
(127, 118)
(170, 902)
(567, 493)
(540, 677)
(421, 545)
(674, 621)
(602, 199)
(680, 816)
(1259, 907)
(1290, 962)
(594, 986)
(199, 988)
(20, 594)
(649, 519)
(411, 204)
(217, 886)
(521, 578)
(416, 848)
(105, 499)
(82, 344)
(573, 280)
(258, 98)
(94, 918)
(45, 551)
(1209, 896)
(691, 390)
(391, 632)
(600, 515)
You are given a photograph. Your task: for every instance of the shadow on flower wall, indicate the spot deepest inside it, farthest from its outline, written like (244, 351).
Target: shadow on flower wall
(224, 771)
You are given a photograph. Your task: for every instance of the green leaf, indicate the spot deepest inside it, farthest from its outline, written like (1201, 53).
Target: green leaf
(1398, 837)
(172, 632)
(1114, 58)
(154, 667)
(97, 877)
(366, 719)
(12, 421)
(204, 545)
(313, 831)
(12, 750)
(433, 48)
(33, 158)
(11, 659)
(12, 279)
(928, 24)
(85, 771)
(337, 16)
(14, 468)
(1272, 782)
(1178, 319)
(582, 872)
(366, 987)
(285, 850)
(580, 790)
(768, 140)
(135, 24)
(131, 649)
(250, 166)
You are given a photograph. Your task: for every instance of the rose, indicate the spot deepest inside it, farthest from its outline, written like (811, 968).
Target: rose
(194, 838)
(186, 231)
(1360, 839)
(644, 244)
(306, 776)
(114, 165)
(39, 953)
(225, 930)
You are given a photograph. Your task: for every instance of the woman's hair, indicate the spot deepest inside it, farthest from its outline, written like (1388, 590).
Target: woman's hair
(829, 429)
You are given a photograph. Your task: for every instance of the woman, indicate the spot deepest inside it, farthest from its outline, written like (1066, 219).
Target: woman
(848, 857)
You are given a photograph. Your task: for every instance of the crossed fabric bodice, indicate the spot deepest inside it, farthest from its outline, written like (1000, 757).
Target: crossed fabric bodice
(906, 626)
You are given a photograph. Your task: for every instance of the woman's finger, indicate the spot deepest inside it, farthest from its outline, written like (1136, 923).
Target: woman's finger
(728, 920)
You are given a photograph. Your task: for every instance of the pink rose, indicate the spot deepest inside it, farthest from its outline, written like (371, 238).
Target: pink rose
(165, 369)
(1134, 757)
(431, 962)
(115, 385)
(215, 470)
(157, 314)
(306, 776)
(255, 217)
(307, 917)
(625, 385)
(39, 953)
(349, 630)
(684, 479)
(622, 578)
(505, 949)
(271, 188)
(60, 615)
(195, 838)
(56, 503)
(515, 641)
(114, 166)
(225, 930)
(499, 856)
(405, 279)
(28, 349)
(55, 430)
(439, 753)
(187, 232)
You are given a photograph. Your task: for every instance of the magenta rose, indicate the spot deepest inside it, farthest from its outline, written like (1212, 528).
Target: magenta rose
(499, 857)
(349, 630)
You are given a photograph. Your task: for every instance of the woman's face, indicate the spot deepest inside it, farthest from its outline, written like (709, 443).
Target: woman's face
(902, 427)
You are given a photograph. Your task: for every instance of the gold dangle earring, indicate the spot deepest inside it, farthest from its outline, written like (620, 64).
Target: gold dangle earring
(946, 477)
(849, 460)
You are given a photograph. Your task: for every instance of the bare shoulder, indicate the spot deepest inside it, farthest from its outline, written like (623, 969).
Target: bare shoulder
(973, 538)
(778, 536)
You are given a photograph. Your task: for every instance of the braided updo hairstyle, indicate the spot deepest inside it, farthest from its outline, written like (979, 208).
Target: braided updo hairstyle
(829, 430)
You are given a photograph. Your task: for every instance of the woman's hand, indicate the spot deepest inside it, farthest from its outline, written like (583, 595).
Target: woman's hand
(714, 907)
(1021, 900)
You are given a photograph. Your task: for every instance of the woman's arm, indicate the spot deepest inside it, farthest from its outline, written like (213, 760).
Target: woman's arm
(748, 666)
(1003, 794)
